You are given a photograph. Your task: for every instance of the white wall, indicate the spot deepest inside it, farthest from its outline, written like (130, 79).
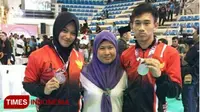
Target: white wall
(19, 20)
(14, 3)
(33, 21)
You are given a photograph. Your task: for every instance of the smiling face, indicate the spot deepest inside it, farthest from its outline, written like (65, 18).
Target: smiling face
(67, 35)
(106, 52)
(143, 27)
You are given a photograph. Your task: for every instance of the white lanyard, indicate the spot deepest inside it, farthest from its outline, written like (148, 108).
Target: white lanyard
(67, 63)
(151, 52)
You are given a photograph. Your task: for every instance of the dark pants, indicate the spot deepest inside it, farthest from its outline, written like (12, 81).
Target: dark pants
(4, 60)
(162, 19)
(190, 97)
(170, 15)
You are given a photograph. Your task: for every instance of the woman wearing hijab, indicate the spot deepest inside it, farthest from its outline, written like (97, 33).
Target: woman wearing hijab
(103, 79)
(53, 71)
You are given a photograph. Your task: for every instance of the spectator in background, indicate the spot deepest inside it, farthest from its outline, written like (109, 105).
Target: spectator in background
(177, 8)
(114, 28)
(125, 36)
(45, 41)
(1, 50)
(175, 44)
(180, 49)
(162, 40)
(190, 93)
(98, 28)
(80, 27)
(86, 23)
(26, 47)
(90, 49)
(106, 14)
(6, 47)
(20, 46)
(171, 11)
(162, 14)
(33, 44)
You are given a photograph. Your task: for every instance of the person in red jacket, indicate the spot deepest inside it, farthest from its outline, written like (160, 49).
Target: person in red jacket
(153, 68)
(53, 71)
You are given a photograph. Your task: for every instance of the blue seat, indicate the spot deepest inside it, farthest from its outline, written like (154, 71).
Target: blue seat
(173, 25)
(189, 18)
(189, 31)
(167, 33)
(93, 28)
(183, 18)
(116, 22)
(174, 32)
(196, 24)
(196, 17)
(183, 24)
(189, 25)
(108, 28)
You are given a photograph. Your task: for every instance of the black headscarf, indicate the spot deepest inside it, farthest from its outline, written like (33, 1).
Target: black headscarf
(60, 23)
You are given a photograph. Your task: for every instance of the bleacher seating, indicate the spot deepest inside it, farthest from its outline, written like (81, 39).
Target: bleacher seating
(189, 18)
(90, 2)
(114, 9)
(185, 21)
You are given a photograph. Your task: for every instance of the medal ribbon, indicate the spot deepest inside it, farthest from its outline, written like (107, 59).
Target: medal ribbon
(151, 52)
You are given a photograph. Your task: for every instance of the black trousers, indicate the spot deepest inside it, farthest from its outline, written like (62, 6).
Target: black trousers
(163, 19)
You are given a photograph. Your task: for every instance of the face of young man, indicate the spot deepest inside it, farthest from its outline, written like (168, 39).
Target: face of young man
(143, 27)
(175, 42)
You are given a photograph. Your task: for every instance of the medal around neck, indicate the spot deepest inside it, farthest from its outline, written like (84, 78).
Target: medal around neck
(60, 77)
(142, 69)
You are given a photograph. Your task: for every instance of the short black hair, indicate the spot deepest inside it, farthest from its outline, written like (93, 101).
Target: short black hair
(21, 36)
(163, 41)
(175, 38)
(45, 37)
(144, 8)
(4, 33)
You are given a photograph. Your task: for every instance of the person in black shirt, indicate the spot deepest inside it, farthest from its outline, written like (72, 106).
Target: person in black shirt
(125, 35)
(190, 94)
(6, 49)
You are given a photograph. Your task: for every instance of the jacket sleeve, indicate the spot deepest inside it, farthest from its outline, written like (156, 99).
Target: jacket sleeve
(31, 80)
(166, 87)
(192, 58)
(169, 83)
(191, 55)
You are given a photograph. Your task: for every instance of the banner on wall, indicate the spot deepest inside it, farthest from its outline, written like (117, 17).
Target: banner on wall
(26, 30)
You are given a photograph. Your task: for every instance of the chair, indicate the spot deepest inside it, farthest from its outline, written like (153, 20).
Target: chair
(196, 24)
(189, 18)
(189, 31)
(189, 25)
(196, 17)
(183, 18)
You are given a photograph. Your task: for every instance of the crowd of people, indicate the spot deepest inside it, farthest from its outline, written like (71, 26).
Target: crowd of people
(113, 76)
(19, 45)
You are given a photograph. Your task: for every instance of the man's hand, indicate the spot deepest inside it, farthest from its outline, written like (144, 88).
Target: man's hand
(51, 85)
(154, 66)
